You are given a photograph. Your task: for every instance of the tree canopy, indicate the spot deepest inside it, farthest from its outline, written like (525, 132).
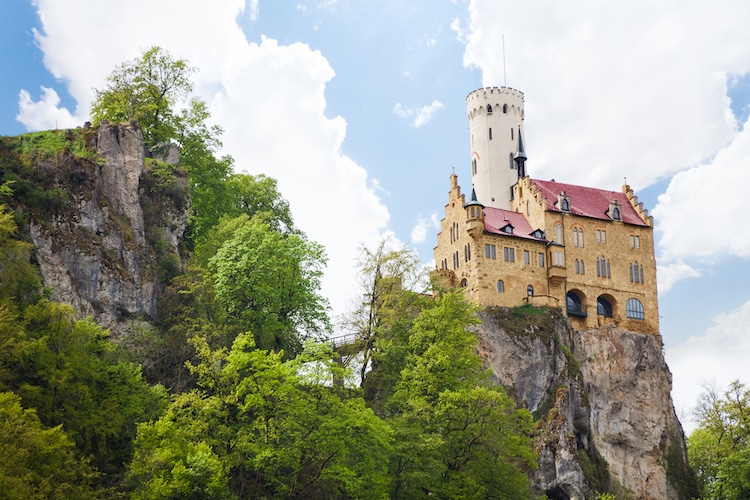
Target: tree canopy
(719, 449)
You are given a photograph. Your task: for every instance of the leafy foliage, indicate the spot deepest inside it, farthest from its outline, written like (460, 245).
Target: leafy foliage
(38, 461)
(67, 371)
(719, 449)
(258, 427)
(268, 283)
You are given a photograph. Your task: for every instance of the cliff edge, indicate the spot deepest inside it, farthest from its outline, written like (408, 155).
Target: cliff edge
(602, 401)
(112, 242)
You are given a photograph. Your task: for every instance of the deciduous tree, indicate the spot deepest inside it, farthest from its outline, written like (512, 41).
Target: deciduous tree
(269, 284)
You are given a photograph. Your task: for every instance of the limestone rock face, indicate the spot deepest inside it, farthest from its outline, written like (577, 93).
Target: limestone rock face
(602, 397)
(102, 255)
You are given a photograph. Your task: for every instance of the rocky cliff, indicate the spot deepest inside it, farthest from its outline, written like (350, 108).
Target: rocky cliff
(606, 421)
(110, 246)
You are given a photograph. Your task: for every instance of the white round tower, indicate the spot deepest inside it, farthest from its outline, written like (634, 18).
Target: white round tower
(495, 121)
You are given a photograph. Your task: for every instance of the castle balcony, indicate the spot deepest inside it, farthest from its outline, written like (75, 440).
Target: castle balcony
(576, 310)
(557, 275)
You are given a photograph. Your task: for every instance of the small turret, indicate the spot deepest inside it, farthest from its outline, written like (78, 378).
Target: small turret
(474, 216)
(520, 157)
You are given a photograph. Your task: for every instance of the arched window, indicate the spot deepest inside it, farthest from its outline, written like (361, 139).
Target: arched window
(578, 270)
(573, 304)
(583, 270)
(500, 286)
(565, 206)
(634, 309)
(598, 267)
(530, 291)
(505, 108)
(616, 214)
(580, 237)
(603, 307)
(489, 109)
(558, 232)
(636, 274)
(463, 283)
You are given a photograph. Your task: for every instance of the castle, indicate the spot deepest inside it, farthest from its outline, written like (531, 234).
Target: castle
(521, 240)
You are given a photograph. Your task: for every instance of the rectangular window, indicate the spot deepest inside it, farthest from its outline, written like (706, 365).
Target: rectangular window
(601, 236)
(635, 242)
(490, 252)
(526, 257)
(558, 257)
(509, 254)
(541, 259)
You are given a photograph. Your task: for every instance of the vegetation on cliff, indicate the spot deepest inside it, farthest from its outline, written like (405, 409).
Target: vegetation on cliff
(719, 449)
(231, 391)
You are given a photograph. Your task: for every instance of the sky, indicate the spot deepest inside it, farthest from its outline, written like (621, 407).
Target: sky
(357, 107)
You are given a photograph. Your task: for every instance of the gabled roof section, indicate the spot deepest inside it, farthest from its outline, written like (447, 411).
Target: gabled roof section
(588, 202)
(495, 219)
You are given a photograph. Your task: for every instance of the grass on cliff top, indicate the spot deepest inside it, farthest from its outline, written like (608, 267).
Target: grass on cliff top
(51, 144)
(525, 320)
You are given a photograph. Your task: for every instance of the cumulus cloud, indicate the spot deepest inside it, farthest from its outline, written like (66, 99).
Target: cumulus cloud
(420, 116)
(45, 113)
(419, 232)
(698, 213)
(670, 274)
(718, 356)
(270, 99)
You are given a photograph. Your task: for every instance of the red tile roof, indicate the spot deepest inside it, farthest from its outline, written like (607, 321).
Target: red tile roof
(588, 202)
(495, 219)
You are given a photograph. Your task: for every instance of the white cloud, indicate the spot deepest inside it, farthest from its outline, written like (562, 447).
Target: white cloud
(670, 274)
(702, 209)
(44, 113)
(459, 30)
(270, 99)
(420, 116)
(718, 356)
(419, 232)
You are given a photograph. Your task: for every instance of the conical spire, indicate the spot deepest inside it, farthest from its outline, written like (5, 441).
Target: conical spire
(473, 200)
(520, 157)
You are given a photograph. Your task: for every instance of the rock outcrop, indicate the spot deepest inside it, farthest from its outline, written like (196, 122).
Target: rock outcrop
(602, 397)
(106, 253)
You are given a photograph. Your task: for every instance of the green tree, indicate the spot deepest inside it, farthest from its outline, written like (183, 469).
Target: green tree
(269, 284)
(719, 448)
(457, 435)
(147, 90)
(38, 462)
(68, 371)
(263, 428)
(387, 277)
(19, 280)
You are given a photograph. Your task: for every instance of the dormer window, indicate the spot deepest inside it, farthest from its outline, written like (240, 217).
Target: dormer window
(538, 234)
(614, 211)
(508, 229)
